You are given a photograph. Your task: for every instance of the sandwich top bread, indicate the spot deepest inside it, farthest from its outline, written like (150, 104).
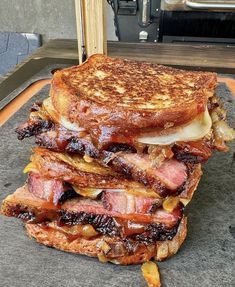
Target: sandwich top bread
(129, 95)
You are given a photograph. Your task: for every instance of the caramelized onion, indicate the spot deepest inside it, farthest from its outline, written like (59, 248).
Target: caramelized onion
(102, 258)
(78, 230)
(88, 231)
(143, 192)
(88, 158)
(94, 192)
(30, 167)
(158, 154)
(170, 203)
(87, 192)
(102, 245)
(218, 114)
(78, 162)
(151, 274)
(223, 131)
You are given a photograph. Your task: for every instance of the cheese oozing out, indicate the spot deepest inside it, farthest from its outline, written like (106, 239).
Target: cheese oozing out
(195, 130)
(47, 104)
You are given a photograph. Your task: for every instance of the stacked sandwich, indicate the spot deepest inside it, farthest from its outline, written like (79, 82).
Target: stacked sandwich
(119, 150)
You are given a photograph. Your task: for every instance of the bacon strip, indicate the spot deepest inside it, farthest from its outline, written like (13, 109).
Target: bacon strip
(25, 205)
(173, 173)
(51, 190)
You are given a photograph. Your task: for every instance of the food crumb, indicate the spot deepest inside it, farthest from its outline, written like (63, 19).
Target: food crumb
(151, 274)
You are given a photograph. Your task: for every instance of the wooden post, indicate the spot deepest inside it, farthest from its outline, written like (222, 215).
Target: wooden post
(91, 24)
(78, 11)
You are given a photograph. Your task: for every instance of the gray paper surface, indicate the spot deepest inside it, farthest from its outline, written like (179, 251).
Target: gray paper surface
(205, 259)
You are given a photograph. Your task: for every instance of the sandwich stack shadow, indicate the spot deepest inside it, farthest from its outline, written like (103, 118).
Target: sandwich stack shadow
(119, 148)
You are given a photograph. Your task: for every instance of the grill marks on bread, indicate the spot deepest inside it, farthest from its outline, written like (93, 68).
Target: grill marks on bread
(135, 85)
(105, 92)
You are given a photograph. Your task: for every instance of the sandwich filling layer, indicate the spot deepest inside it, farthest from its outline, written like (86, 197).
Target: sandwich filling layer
(73, 169)
(123, 221)
(164, 169)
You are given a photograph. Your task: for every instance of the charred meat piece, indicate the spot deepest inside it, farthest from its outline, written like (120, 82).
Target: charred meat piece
(193, 152)
(24, 205)
(63, 140)
(165, 179)
(33, 127)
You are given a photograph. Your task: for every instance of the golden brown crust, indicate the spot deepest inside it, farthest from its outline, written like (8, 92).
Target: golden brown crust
(128, 94)
(90, 247)
(168, 248)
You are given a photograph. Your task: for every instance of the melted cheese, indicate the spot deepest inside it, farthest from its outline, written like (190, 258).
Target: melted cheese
(195, 130)
(70, 126)
(47, 104)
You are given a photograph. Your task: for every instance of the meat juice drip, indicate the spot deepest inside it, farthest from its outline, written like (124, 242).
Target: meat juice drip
(50, 205)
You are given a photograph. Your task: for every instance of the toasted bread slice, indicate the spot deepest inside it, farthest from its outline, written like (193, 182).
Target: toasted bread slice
(129, 95)
(93, 247)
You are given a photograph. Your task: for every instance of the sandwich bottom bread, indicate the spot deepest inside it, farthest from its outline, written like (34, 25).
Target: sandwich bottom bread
(80, 226)
(112, 249)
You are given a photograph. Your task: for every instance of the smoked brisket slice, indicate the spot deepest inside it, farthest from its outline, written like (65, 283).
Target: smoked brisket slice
(24, 205)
